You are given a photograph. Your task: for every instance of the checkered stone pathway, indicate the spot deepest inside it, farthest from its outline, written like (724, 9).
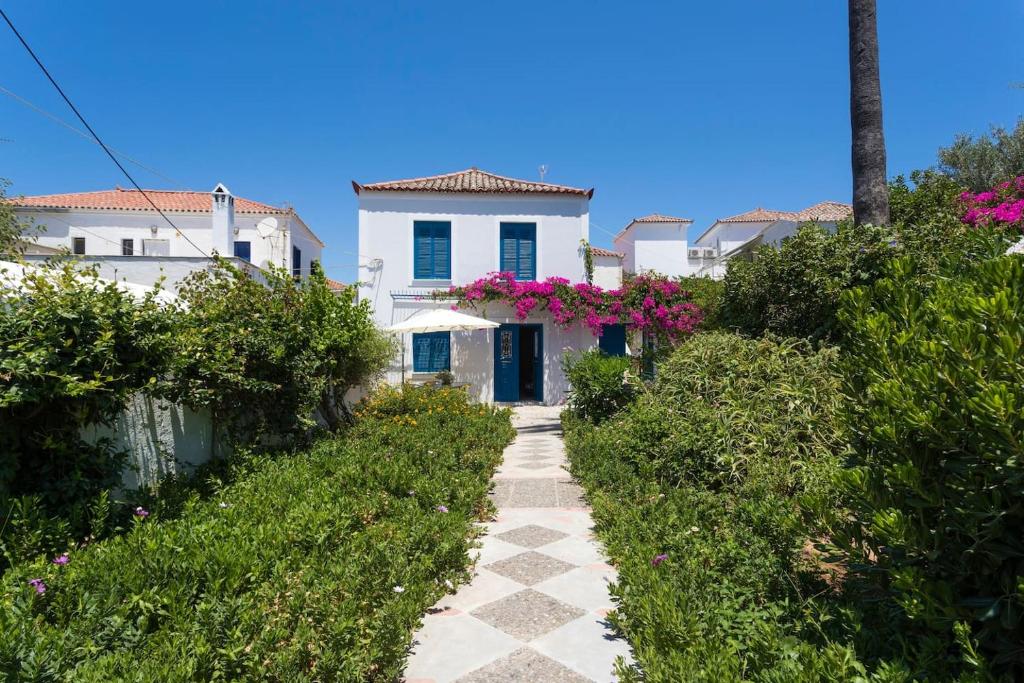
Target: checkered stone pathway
(535, 609)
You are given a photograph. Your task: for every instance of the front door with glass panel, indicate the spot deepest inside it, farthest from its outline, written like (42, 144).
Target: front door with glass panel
(519, 363)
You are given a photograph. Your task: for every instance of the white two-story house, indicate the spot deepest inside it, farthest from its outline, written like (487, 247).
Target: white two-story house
(121, 232)
(657, 244)
(425, 234)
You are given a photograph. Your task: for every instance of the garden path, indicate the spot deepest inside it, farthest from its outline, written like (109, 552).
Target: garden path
(535, 609)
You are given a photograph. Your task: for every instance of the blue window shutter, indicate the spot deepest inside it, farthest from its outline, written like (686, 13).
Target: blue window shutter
(430, 351)
(432, 253)
(527, 261)
(519, 250)
(243, 250)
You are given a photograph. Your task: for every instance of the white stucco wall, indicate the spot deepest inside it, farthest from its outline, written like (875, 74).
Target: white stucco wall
(607, 271)
(104, 230)
(657, 247)
(161, 438)
(147, 270)
(727, 236)
(385, 248)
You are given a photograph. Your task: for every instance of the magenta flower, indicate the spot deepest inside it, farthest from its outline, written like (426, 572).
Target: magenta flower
(38, 585)
(442, 508)
(658, 559)
(141, 512)
(62, 559)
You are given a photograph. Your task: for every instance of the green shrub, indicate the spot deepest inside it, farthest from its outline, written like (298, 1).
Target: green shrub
(936, 390)
(288, 574)
(707, 295)
(702, 490)
(599, 384)
(794, 290)
(75, 348)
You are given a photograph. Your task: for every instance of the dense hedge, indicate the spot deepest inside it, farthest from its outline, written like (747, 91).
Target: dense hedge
(701, 491)
(261, 356)
(936, 386)
(600, 385)
(310, 566)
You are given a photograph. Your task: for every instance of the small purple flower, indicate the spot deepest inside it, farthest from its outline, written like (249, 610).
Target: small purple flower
(658, 559)
(38, 585)
(141, 512)
(62, 559)
(442, 508)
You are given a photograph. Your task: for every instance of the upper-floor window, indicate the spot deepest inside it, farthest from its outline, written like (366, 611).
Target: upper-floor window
(78, 245)
(519, 250)
(432, 247)
(156, 247)
(296, 262)
(243, 250)
(127, 246)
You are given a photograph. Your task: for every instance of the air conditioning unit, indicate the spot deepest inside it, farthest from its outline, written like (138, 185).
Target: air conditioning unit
(710, 252)
(694, 252)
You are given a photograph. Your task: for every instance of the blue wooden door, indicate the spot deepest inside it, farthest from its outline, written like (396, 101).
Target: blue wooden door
(538, 363)
(506, 363)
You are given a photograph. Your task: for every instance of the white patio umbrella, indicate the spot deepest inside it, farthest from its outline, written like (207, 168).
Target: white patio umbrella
(439, 320)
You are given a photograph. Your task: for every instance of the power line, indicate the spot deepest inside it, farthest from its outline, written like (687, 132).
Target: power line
(77, 131)
(94, 135)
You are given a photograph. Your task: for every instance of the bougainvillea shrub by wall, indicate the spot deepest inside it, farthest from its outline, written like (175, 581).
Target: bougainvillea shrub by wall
(1002, 206)
(645, 302)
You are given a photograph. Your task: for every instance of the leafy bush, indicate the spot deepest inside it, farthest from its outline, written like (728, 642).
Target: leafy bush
(263, 356)
(310, 566)
(979, 163)
(599, 384)
(794, 290)
(701, 491)
(706, 294)
(936, 389)
(75, 348)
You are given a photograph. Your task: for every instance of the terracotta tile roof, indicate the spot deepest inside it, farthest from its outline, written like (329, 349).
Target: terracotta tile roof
(133, 200)
(471, 180)
(825, 211)
(335, 285)
(758, 215)
(661, 218)
(598, 251)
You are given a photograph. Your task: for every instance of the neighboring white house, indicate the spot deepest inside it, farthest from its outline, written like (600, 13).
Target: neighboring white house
(425, 234)
(657, 243)
(607, 267)
(738, 236)
(129, 240)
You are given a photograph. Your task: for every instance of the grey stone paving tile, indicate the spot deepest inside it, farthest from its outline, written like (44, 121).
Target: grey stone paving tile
(569, 494)
(540, 456)
(524, 664)
(532, 536)
(537, 465)
(527, 614)
(530, 567)
(531, 493)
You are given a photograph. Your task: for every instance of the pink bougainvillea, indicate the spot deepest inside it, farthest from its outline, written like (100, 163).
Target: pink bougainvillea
(642, 303)
(1003, 205)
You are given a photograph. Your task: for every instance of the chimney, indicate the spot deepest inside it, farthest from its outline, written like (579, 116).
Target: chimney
(223, 221)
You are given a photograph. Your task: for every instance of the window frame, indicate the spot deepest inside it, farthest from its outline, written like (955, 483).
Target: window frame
(433, 368)
(434, 274)
(127, 246)
(234, 250)
(296, 259)
(75, 241)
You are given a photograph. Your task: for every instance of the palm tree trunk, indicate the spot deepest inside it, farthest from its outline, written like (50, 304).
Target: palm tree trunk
(870, 192)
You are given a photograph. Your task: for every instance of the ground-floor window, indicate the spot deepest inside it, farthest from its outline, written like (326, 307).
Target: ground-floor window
(613, 340)
(431, 351)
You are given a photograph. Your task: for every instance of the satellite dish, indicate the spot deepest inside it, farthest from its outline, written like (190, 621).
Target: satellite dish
(266, 227)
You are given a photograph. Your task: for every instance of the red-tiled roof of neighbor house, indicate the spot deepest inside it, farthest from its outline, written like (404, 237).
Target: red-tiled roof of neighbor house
(758, 215)
(335, 285)
(598, 251)
(471, 180)
(825, 211)
(133, 200)
(661, 218)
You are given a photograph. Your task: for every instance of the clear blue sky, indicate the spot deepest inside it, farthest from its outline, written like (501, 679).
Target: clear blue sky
(695, 109)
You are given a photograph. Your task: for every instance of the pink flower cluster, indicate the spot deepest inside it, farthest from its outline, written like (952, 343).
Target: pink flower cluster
(1003, 205)
(643, 302)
